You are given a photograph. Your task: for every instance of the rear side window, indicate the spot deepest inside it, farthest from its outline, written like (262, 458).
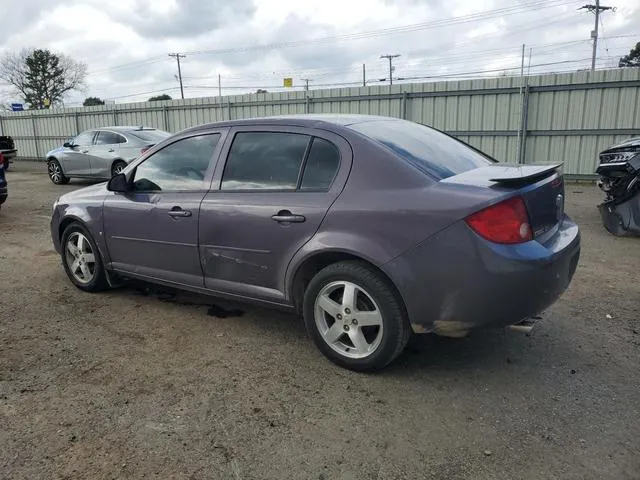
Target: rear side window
(430, 151)
(321, 167)
(109, 138)
(265, 161)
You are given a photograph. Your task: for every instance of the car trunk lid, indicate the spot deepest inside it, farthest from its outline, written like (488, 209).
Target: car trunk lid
(540, 186)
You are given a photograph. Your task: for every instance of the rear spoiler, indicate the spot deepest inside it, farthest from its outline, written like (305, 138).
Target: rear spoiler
(503, 175)
(523, 174)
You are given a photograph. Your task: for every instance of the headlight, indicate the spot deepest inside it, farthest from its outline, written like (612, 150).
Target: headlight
(615, 157)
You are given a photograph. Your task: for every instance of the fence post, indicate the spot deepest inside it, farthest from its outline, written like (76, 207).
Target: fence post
(35, 135)
(403, 109)
(165, 115)
(115, 117)
(306, 104)
(75, 114)
(229, 109)
(1, 126)
(522, 147)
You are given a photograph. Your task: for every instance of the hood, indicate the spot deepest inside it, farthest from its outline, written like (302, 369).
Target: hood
(625, 146)
(92, 192)
(54, 151)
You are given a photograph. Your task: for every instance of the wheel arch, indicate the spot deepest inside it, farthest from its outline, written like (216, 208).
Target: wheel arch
(308, 267)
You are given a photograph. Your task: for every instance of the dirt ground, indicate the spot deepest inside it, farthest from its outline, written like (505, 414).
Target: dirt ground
(139, 384)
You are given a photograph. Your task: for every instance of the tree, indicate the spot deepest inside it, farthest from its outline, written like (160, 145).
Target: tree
(92, 101)
(40, 77)
(631, 60)
(164, 96)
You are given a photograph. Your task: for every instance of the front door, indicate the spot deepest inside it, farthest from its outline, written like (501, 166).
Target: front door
(274, 192)
(76, 159)
(152, 231)
(104, 152)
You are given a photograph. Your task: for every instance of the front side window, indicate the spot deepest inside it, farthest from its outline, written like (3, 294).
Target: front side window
(179, 166)
(85, 138)
(264, 161)
(109, 138)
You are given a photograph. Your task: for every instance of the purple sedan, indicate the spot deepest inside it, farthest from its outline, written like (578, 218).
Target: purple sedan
(372, 228)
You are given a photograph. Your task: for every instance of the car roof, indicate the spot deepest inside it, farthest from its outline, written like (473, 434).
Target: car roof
(302, 120)
(121, 128)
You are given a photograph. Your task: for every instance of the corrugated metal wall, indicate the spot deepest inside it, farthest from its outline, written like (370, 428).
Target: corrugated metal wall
(566, 117)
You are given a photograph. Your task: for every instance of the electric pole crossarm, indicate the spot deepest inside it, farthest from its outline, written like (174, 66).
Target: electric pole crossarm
(390, 58)
(597, 8)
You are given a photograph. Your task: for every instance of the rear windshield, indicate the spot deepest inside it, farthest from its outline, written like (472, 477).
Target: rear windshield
(152, 136)
(432, 152)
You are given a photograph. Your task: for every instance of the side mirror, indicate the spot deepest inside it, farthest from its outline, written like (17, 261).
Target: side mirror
(67, 144)
(119, 183)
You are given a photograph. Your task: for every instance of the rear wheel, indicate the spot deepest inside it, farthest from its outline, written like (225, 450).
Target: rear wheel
(81, 259)
(117, 167)
(55, 172)
(355, 316)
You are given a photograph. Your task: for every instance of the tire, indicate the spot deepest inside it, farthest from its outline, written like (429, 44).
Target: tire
(117, 167)
(83, 266)
(383, 322)
(56, 175)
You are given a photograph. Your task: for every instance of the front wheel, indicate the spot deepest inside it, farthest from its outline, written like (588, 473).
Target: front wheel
(55, 172)
(355, 316)
(81, 259)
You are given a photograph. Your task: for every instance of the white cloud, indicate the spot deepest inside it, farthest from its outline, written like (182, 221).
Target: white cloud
(125, 43)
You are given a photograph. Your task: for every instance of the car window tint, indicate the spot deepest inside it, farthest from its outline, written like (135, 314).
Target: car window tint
(262, 160)
(321, 167)
(85, 138)
(109, 138)
(427, 149)
(179, 166)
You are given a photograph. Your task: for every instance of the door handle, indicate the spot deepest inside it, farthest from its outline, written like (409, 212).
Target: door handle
(179, 212)
(285, 216)
(85, 151)
(111, 150)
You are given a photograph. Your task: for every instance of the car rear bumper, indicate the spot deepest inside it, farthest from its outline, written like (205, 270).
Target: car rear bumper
(456, 280)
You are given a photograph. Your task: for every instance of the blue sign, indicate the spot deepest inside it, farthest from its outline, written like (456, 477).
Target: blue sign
(17, 107)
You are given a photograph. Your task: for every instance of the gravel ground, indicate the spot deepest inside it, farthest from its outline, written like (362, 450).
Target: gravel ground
(136, 383)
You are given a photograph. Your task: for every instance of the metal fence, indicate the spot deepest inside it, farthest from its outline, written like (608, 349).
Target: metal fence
(541, 119)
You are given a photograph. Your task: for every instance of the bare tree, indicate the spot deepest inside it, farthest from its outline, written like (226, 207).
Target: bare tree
(40, 77)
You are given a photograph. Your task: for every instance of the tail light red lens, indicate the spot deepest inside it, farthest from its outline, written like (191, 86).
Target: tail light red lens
(2, 160)
(506, 222)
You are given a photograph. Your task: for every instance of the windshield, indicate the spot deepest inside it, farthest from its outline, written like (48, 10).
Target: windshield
(429, 150)
(152, 136)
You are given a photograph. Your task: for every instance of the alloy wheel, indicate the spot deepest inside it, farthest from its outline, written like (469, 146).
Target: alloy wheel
(55, 172)
(80, 258)
(348, 319)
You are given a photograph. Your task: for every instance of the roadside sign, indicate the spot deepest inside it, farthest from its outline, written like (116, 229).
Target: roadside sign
(17, 107)
(288, 82)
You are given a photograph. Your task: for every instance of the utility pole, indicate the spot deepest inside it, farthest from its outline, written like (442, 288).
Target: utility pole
(306, 83)
(597, 8)
(390, 58)
(219, 86)
(364, 75)
(178, 56)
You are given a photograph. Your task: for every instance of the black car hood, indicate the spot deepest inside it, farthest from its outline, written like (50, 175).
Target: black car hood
(627, 145)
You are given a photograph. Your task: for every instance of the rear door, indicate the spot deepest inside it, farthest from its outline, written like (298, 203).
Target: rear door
(104, 152)
(76, 160)
(267, 200)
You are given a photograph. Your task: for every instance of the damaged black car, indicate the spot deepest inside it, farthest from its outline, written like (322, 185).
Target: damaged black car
(619, 172)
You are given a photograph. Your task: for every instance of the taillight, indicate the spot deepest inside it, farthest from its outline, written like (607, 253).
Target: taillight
(2, 161)
(505, 222)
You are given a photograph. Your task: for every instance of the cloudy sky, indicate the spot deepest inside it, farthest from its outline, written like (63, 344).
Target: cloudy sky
(254, 44)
